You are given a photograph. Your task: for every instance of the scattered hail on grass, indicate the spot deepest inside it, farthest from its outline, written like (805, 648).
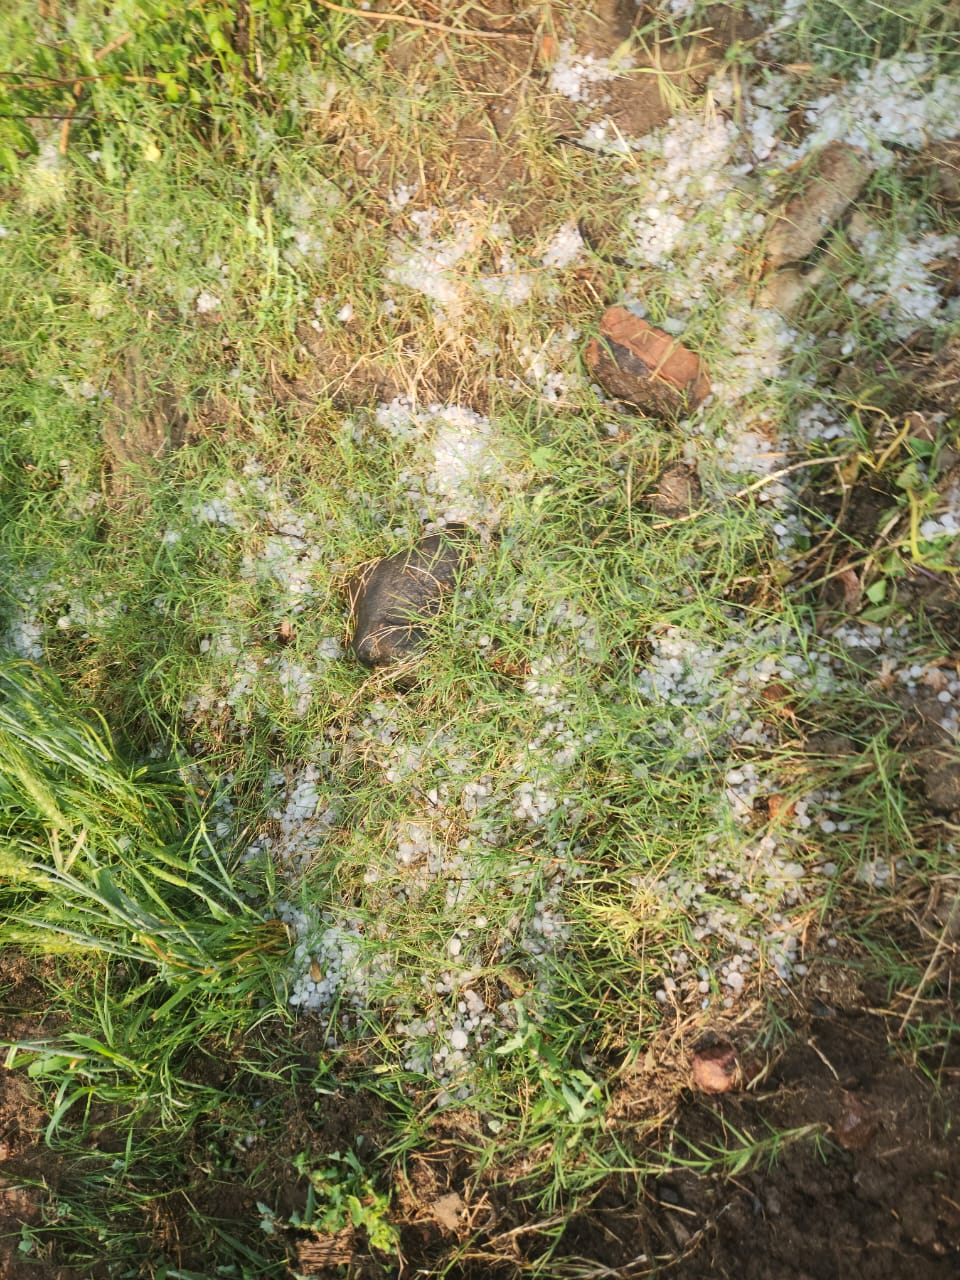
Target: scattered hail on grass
(457, 470)
(285, 547)
(458, 833)
(898, 283)
(497, 851)
(459, 260)
(701, 184)
(695, 174)
(578, 76)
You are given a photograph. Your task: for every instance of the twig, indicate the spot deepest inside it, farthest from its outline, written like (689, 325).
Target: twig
(65, 133)
(53, 115)
(794, 466)
(752, 488)
(113, 45)
(67, 121)
(49, 82)
(812, 1044)
(110, 47)
(371, 15)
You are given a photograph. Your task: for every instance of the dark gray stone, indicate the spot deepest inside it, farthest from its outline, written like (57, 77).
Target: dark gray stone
(389, 596)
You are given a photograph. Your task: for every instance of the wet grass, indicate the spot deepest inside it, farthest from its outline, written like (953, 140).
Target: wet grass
(196, 341)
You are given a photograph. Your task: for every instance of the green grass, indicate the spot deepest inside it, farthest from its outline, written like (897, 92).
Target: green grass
(107, 860)
(152, 743)
(842, 35)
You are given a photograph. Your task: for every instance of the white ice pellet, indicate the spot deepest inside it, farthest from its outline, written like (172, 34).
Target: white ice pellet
(574, 75)
(207, 302)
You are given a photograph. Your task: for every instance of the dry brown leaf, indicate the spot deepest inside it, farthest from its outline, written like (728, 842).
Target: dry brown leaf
(852, 590)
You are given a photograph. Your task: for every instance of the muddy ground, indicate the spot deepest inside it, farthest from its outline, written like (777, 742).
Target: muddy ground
(870, 1187)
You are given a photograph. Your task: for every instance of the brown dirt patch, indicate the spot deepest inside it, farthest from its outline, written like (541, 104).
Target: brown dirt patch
(864, 1181)
(940, 163)
(665, 71)
(144, 420)
(333, 374)
(867, 1184)
(918, 378)
(29, 1171)
(493, 144)
(878, 1199)
(931, 749)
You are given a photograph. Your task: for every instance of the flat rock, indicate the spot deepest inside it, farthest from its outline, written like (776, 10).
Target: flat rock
(646, 367)
(389, 597)
(831, 184)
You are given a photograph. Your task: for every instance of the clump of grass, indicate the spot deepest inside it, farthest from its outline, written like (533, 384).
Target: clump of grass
(844, 36)
(114, 78)
(112, 865)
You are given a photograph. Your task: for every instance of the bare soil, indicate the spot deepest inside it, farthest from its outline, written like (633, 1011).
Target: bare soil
(879, 1199)
(865, 1182)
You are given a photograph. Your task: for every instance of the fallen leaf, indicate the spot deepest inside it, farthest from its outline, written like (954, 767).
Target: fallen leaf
(935, 678)
(852, 590)
(779, 807)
